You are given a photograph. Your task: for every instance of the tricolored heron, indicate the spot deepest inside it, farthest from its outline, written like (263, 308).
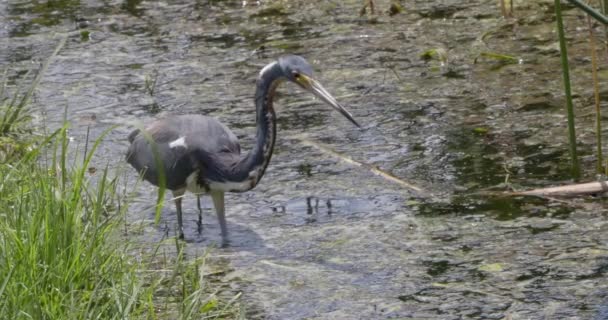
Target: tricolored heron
(201, 155)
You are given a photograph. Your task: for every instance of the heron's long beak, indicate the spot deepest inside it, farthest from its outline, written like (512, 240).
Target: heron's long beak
(317, 89)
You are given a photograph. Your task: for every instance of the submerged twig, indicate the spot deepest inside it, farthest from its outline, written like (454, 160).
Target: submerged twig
(375, 170)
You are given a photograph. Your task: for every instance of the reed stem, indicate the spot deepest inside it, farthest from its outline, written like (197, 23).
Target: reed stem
(567, 91)
(596, 96)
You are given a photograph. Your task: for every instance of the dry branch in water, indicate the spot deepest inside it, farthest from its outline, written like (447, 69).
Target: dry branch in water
(572, 190)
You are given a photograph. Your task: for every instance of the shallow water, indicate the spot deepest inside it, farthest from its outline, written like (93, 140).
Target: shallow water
(319, 238)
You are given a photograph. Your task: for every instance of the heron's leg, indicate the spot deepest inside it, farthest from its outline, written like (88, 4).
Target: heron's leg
(218, 203)
(200, 213)
(178, 195)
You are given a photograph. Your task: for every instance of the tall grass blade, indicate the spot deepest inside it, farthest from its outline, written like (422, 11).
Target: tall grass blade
(568, 91)
(14, 115)
(596, 96)
(590, 11)
(34, 153)
(162, 178)
(5, 126)
(6, 279)
(3, 85)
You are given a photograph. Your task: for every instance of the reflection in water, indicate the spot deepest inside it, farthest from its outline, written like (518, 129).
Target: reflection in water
(314, 208)
(310, 209)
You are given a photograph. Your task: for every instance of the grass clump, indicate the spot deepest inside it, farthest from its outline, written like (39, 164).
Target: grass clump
(14, 134)
(63, 253)
(57, 257)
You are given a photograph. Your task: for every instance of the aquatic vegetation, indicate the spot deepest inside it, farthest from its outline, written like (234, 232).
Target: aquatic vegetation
(437, 54)
(85, 35)
(395, 8)
(503, 58)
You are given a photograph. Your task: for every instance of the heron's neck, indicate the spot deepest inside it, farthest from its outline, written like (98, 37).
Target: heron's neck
(252, 166)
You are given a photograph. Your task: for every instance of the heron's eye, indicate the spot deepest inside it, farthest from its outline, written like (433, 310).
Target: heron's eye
(296, 75)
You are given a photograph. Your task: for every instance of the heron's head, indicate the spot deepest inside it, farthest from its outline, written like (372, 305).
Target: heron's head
(297, 70)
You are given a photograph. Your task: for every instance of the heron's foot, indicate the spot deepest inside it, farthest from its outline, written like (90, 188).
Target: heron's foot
(181, 235)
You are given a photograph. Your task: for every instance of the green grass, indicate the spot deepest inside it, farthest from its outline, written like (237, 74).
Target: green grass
(64, 250)
(63, 254)
(57, 260)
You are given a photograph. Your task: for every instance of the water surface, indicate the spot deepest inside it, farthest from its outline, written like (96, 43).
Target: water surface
(319, 238)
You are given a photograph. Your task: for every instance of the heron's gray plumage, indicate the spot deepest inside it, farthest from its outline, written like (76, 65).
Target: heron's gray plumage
(201, 134)
(199, 154)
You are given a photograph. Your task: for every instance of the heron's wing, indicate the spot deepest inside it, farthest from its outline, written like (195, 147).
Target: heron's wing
(176, 139)
(207, 133)
(152, 148)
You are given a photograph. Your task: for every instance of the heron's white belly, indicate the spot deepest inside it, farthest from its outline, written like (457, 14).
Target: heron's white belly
(192, 184)
(229, 186)
(226, 186)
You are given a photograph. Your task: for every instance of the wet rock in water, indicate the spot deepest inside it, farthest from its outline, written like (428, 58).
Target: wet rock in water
(543, 225)
(539, 103)
(436, 268)
(438, 12)
(551, 49)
